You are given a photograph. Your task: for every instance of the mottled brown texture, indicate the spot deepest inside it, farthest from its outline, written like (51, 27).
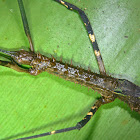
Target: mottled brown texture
(106, 85)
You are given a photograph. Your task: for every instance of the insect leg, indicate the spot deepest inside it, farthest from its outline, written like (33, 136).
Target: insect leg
(90, 33)
(80, 124)
(25, 24)
(13, 65)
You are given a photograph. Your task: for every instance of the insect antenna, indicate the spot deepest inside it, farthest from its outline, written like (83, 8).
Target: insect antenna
(25, 24)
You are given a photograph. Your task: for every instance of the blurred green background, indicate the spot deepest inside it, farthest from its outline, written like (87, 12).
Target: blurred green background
(36, 104)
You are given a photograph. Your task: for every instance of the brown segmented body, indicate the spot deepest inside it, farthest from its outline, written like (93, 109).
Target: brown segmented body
(107, 86)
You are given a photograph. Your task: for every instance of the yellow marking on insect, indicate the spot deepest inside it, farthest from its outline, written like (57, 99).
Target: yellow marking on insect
(97, 53)
(93, 107)
(92, 38)
(66, 5)
(85, 24)
(84, 118)
(52, 132)
(90, 113)
(62, 2)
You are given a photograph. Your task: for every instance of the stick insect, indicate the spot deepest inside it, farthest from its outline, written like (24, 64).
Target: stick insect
(103, 73)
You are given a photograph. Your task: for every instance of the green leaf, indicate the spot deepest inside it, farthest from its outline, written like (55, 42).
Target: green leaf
(36, 104)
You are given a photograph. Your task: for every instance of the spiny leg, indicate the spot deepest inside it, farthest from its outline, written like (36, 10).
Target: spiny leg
(25, 24)
(80, 124)
(90, 32)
